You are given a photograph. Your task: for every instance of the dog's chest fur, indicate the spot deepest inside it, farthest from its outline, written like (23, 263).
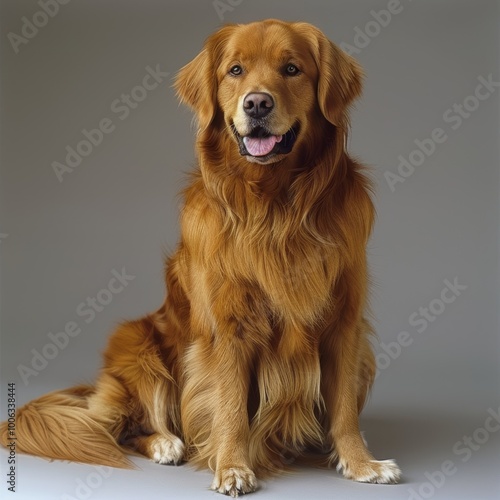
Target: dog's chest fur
(293, 270)
(265, 249)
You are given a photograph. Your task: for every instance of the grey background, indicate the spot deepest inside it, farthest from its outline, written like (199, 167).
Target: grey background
(119, 208)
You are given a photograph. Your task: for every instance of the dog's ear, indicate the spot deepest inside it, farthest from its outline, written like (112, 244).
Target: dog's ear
(340, 76)
(196, 83)
(340, 81)
(196, 86)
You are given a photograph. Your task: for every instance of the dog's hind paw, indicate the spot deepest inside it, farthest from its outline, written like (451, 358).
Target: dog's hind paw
(166, 450)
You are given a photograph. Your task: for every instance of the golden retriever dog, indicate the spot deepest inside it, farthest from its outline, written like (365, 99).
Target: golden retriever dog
(261, 349)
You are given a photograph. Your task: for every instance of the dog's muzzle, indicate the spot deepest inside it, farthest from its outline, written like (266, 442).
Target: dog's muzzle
(263, 144)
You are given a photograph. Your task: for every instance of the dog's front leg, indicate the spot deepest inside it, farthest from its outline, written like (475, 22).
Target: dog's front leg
(233, 345)
(230, 431)
(342, 380)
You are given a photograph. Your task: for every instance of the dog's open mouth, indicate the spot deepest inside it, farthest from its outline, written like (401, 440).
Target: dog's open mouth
(262, 144)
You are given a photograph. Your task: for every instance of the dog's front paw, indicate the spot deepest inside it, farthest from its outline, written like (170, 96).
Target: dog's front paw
(372, 471)
(234, 480)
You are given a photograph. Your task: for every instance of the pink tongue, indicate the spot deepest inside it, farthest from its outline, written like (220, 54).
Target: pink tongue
(261, 146)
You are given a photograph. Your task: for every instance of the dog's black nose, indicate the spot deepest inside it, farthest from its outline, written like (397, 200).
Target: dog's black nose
(258, 104)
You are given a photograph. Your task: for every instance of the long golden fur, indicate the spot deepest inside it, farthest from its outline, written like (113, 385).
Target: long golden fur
(261, 349)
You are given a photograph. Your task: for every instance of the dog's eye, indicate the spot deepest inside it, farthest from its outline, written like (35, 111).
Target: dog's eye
(236, 70)
(291, 70)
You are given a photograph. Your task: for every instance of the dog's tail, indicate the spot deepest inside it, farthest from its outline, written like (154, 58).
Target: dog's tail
(60, 426)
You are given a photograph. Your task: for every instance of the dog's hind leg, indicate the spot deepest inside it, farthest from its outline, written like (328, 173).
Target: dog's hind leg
(139, 357)
(158, 441)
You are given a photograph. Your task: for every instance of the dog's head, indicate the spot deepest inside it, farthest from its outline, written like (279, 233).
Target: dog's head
(267, 83)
